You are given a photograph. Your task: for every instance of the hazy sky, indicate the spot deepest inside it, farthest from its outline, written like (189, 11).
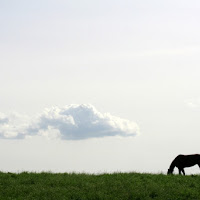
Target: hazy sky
(98, 86)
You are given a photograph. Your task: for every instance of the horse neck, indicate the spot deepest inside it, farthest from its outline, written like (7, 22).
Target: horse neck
(172, 166)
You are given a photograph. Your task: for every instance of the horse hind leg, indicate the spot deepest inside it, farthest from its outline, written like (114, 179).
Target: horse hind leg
(183, 172)
(199, 165)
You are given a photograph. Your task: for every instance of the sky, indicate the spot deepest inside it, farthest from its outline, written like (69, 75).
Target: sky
(98, 86)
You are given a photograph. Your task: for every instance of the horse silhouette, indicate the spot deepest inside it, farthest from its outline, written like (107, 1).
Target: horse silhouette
(182, 161)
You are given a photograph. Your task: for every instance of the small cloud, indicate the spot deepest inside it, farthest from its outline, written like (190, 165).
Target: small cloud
(73, 122)
(13, 125)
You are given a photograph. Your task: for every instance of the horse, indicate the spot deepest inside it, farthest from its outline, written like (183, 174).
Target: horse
(182, 161)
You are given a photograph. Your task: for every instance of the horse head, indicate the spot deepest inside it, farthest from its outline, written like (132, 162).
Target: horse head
(170, 171)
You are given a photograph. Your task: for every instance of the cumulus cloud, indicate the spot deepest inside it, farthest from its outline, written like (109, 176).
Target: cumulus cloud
(73, 122)
(13, 125)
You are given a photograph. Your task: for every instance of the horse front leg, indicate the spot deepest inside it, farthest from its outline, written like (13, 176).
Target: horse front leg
(183, 172)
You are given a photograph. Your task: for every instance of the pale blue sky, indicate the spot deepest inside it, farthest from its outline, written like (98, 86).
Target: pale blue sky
(138, 60)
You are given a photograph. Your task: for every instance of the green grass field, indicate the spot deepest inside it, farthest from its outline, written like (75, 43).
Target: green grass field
(115, 186)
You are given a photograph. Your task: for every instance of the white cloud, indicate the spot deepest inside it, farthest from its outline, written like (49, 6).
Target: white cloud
(73, 122)
(13, 125)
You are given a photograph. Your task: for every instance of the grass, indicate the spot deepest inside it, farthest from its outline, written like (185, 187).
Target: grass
(123, 186)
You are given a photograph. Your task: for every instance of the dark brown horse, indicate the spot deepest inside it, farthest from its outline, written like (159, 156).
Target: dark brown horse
(182, 161)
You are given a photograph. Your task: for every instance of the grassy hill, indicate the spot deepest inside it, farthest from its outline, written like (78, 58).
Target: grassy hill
(124, 186)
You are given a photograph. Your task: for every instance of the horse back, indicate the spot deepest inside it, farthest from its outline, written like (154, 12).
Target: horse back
(187, 160)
